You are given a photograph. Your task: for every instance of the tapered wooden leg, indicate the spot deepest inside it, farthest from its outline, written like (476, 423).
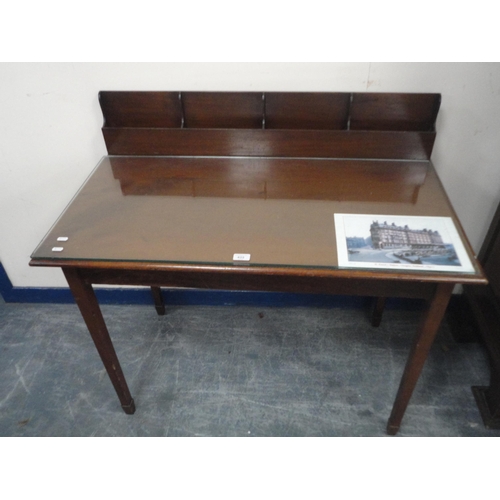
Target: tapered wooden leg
(378, 311)
(159, 305)
(91, 312)
(418, 353)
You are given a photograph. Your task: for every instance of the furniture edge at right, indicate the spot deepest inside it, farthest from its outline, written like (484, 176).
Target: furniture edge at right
(484, 303)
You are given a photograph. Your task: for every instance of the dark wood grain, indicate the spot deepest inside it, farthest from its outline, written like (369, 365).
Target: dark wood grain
(158, 300)
(285, 110)
(206, 126)
(408, 112)
(307, 110)
(378, 310)
(330, 125)
(276, 178)
(254, 279)
(266, 143)
(91, 313)
(322, 274)
(418, 354)
(223, 109)
(141, 109)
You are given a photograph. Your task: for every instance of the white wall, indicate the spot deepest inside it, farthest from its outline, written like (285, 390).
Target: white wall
(50, 136)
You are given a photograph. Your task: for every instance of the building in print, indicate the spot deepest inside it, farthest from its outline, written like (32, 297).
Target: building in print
(386, 235)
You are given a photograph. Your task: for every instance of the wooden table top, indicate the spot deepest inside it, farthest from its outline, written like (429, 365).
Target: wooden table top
(200, 211)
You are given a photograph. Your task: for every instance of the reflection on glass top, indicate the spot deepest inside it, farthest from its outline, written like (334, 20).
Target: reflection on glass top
(205, 210)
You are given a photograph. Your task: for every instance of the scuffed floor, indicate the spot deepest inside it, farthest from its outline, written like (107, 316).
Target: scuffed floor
(230, 371)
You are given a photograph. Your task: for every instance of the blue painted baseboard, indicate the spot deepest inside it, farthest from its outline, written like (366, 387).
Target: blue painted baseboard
(188, 297)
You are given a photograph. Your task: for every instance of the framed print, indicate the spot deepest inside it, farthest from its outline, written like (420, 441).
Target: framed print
(400, 242)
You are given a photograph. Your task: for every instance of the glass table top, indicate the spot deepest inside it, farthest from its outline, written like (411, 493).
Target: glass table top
(206, 210)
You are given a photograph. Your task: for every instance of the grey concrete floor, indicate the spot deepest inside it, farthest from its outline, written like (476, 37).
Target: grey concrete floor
(231, 371)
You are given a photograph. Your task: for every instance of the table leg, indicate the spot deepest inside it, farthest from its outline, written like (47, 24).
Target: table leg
(378, 310)
(89, 307)
(159, 304)
(418, 353)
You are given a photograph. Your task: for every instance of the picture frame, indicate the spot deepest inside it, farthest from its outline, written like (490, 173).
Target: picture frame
(415, 243)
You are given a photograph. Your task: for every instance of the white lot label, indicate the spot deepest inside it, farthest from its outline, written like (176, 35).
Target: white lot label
(245, 257)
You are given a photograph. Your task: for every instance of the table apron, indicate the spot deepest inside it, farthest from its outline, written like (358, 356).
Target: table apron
(243, 281)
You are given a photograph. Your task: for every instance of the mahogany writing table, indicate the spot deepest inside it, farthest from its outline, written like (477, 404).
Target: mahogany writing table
(194, 178)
